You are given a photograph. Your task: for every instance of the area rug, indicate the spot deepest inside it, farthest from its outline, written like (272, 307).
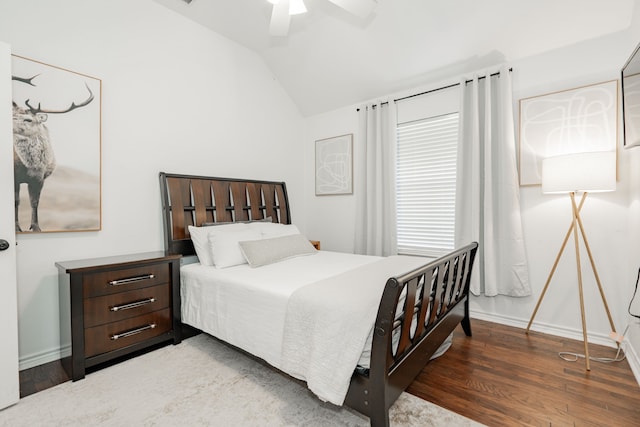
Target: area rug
(201, 382)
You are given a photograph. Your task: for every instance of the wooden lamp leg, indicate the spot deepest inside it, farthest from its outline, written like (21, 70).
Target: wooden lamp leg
(576, 217)
(555, 265)
(573, 229)
(595, 273)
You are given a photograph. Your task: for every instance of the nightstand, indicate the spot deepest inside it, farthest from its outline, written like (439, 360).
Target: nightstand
(114, 306)
(316, 244)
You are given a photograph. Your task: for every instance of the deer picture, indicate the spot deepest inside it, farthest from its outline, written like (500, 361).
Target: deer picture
(33, 156)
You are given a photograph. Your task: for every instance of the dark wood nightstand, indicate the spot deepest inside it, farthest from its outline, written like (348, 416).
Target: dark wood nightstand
(114, 306)
(315, 243)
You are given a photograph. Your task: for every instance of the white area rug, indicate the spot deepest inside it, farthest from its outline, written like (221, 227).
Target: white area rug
(200, 382)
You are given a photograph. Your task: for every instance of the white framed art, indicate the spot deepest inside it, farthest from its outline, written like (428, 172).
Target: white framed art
(583, 119)
(334, 165)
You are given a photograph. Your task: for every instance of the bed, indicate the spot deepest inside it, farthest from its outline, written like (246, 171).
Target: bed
(356, 329)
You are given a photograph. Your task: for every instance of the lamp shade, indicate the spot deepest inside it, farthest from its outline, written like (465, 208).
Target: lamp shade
(590, 172)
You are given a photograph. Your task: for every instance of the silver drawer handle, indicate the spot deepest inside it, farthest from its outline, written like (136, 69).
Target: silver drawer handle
(133, 331)
(131, 280)
(132, 304)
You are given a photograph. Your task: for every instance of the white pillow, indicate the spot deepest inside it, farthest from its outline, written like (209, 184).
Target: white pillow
(267, 251)
(274, 229)
(200, 239)
(225, 247)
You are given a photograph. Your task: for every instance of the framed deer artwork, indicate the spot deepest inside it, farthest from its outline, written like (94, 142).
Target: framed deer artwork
(57, 148)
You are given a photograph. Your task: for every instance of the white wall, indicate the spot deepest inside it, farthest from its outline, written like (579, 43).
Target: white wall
(633, 175)
(546, 218)
(176, 97)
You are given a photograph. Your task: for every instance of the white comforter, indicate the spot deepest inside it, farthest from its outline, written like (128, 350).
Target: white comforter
(249, 307)
(328, 324)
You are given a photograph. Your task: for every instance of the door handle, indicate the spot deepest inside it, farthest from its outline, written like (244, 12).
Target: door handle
(4, 245)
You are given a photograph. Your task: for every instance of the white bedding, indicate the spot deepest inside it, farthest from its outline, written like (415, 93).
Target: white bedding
(247, 307)
(329, 323)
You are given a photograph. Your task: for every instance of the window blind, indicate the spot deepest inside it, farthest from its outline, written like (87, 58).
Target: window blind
(426, 185)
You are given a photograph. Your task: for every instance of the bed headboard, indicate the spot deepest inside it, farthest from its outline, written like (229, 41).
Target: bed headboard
(195, 200)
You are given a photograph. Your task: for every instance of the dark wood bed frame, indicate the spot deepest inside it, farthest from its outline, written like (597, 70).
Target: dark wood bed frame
(437, 293)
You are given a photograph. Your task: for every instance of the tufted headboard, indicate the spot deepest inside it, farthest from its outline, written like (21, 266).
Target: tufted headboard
(196, 200)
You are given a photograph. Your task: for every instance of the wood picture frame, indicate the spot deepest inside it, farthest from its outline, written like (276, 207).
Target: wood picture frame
(583, 119)
(334, 165)
(57, 112)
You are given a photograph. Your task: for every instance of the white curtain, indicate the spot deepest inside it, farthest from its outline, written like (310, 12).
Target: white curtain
(487, 193)
(375, 168)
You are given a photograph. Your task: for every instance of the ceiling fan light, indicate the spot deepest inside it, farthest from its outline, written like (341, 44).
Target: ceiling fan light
(296, 7)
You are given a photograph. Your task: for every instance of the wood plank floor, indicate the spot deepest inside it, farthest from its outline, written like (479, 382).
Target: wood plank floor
(500, 377)
(504, 377)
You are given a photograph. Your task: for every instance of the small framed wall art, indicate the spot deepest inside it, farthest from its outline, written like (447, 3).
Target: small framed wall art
(334, 165)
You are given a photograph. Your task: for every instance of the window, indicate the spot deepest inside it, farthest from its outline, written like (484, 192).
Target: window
(426, 185)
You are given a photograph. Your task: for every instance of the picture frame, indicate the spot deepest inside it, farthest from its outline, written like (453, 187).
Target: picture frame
(334, 165)
(58, 111)
(583, 119)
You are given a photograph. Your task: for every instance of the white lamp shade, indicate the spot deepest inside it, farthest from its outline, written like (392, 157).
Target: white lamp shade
(590, 172)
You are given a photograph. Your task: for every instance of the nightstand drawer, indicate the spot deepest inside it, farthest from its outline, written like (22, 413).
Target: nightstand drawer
(116, 307)
(114, 281)
(112, 336)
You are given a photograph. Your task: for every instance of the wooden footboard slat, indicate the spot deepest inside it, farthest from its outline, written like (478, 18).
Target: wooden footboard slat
(438, 294)
(405, 335)
(435, 297)
(426, 302)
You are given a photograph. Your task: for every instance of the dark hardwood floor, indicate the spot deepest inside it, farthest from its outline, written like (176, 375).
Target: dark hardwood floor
(500, 377)
(504, 377)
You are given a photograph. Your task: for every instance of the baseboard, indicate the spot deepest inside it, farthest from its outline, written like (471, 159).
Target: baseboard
(576, 334)
(37, 359)
(632, 357)
(546, 328)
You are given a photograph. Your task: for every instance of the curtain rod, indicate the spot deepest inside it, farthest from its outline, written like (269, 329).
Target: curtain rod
(440, 88)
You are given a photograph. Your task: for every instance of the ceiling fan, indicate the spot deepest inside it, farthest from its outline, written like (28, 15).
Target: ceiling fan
(284, 9)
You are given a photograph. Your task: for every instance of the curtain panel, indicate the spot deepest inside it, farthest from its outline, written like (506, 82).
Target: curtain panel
(375, 152)
(487, 193)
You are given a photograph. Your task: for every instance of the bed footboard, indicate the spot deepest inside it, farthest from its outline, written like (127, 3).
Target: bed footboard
(418, 311)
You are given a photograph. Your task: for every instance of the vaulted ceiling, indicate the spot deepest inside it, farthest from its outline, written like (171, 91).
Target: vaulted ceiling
(332, 59)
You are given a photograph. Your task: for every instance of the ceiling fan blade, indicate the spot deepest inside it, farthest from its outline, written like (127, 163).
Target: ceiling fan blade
(360, 8)
(280, 19)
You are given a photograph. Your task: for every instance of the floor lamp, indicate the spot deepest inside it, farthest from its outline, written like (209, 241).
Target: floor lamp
(578, 173)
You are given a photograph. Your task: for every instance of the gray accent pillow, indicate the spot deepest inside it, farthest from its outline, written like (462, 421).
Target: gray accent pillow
(267, 251)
